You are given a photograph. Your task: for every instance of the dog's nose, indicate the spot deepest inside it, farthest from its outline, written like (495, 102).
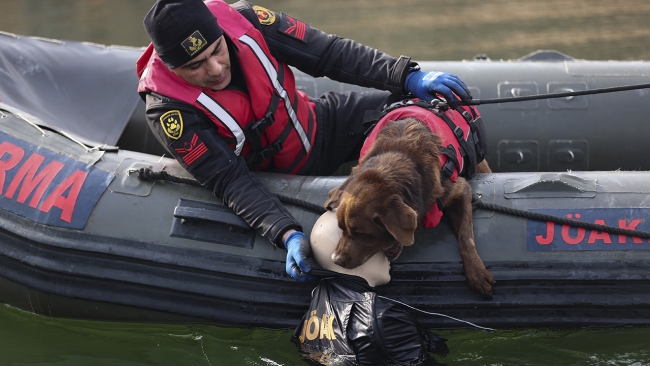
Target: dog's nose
(338, 260)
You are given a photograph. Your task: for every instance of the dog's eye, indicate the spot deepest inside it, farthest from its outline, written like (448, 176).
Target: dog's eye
(355, 234)
(378, 222)
(362, 236)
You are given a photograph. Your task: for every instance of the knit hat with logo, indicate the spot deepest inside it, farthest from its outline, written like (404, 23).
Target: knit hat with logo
(181, 29)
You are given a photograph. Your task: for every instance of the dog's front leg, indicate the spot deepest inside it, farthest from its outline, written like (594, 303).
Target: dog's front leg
(458, 203)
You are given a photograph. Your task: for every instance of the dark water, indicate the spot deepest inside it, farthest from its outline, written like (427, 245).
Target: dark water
(28, 339)
(425, 30)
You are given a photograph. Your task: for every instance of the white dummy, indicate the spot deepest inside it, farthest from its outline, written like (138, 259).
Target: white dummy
(324, 237)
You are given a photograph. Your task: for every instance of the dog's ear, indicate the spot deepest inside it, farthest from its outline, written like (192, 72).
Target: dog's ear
(400, 220)
(335, 197)
(333, 201)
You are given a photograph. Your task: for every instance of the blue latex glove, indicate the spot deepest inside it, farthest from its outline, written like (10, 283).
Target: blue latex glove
(425, 85)
(298, 250)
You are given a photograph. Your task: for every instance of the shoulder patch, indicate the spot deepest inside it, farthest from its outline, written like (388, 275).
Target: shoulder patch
(172, 124)
(264, 15)
(191, 148)
(293, 27)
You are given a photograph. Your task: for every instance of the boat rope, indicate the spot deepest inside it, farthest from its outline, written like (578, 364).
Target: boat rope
(477, 203)
(436, 314)
(552, 95)
(148, 174)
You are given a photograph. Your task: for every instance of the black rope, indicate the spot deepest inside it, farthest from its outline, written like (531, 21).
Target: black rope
(148, 174)
(478, 203)
(301, 203)
(553, 95)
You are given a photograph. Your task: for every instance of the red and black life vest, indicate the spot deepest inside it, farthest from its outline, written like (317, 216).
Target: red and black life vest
(461, 130)
(273, 126)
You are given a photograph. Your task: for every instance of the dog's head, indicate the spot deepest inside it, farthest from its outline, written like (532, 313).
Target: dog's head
(373, 218)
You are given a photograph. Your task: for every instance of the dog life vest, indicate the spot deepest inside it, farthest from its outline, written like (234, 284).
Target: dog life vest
(348, 324)
(273, 121)
(462, 133)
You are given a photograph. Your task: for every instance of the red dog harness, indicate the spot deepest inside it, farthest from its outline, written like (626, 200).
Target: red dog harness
(461, 132)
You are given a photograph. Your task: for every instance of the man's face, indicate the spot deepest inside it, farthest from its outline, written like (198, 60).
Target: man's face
(210, 69)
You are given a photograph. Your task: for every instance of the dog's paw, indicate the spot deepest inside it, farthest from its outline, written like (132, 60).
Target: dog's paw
(480, 280)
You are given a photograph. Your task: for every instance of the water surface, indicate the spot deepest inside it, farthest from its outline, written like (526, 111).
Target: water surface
(28, 339)
(422, 29)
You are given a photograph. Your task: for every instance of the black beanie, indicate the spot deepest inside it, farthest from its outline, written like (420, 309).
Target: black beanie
(181, 29)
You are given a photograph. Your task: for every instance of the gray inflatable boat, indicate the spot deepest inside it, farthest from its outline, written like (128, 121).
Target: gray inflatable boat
(82, 236)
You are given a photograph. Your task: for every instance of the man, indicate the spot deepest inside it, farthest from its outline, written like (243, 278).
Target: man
(221, 98)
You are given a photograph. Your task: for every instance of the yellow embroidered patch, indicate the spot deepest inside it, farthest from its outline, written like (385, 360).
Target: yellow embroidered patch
(264, 15)
(172, 124)
(194, 43)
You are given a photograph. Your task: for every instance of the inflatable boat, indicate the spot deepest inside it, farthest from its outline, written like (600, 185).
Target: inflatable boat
(82, 236)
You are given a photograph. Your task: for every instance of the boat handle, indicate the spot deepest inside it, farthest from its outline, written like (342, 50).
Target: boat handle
(218, 216)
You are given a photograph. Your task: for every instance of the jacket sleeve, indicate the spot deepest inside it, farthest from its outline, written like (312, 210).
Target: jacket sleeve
(217, 167)
(320, 54)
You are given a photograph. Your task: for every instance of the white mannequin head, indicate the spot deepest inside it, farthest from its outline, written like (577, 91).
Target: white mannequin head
(325, 236)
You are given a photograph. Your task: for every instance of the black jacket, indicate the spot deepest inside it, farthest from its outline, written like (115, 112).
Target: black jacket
(317, 54)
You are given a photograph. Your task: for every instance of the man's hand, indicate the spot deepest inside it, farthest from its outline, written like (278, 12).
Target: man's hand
(425, 85)
(298, 249)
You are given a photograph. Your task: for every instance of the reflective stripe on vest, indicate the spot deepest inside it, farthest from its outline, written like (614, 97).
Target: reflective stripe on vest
(225, 117)
(273, 77)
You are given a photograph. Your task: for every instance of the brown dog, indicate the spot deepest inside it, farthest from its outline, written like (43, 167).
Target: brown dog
(384, 200)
